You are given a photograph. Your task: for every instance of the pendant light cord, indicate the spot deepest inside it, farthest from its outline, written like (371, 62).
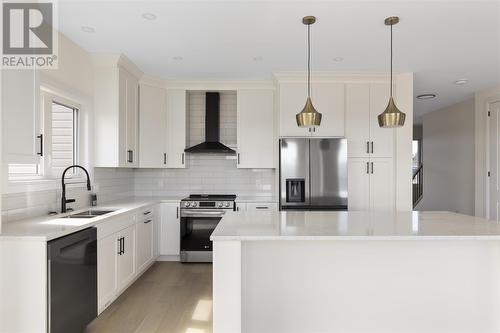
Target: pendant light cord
(309, 60)
(391, 60)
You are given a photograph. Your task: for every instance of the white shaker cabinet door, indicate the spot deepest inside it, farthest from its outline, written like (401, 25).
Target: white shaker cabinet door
(107, 266)
(176, 128)
(152, 127)
(329, 100)
(381, 139)
(21, 116)
(358, 184)
(126, 261)
(382, 184)
(358, 119)
(144, 242)
(170, 229)
(292, 98)
(255, 129)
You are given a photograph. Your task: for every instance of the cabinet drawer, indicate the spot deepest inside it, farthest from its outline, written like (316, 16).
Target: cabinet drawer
(262, 206)
(114, 224)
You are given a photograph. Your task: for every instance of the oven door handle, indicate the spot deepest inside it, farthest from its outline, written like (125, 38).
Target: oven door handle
(201, 213)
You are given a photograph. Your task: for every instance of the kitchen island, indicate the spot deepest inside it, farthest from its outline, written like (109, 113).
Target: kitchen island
(356, 272)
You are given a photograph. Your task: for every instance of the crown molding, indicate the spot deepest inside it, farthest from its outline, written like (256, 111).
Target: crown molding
(324, 76)
(116, 60)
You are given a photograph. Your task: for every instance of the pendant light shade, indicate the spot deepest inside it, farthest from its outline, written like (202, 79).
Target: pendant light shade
(308, 117)
(392, 116)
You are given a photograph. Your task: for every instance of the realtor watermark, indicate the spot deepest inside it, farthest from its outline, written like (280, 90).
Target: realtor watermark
(29, 35)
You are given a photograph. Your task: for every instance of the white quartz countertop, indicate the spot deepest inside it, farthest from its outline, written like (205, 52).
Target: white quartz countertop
(45, 228)
(351, 225)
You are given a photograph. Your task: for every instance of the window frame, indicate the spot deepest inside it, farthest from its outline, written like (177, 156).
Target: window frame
(45, 170)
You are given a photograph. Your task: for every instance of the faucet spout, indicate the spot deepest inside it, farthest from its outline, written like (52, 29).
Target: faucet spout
(63, 185)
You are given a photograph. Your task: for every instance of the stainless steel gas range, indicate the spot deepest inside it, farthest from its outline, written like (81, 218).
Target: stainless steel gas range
(200, 215)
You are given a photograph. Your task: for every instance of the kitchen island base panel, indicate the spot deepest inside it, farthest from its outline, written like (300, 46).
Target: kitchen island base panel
(368, 286)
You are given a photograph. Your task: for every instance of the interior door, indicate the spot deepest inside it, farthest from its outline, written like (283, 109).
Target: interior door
(494, 146)
(328, 173)
(126, 261)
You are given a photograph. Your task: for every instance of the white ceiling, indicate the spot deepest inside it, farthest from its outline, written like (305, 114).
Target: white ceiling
(441, 41)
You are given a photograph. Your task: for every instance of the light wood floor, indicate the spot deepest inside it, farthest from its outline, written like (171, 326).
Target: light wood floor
(170, 298)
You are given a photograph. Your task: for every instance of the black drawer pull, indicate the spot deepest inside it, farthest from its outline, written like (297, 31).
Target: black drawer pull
(147, 213)
(146, 222)
(262, 207)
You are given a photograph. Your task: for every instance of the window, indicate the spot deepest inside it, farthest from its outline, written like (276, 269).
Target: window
(59, 125)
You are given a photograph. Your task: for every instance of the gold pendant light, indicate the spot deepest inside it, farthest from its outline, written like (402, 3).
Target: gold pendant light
(308, 117)
(392, 116)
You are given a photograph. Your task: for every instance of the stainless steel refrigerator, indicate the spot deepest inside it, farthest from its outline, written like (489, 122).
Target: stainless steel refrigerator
(313, 174)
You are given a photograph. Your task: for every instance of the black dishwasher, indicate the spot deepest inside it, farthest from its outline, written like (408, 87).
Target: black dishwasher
(72, 281)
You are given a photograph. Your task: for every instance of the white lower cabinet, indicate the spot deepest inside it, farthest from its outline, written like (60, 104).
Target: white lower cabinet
(371, 184)
(170, 229)
(125, 248)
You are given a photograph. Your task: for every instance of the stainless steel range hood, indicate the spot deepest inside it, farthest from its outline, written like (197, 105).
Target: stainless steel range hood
(212, 128)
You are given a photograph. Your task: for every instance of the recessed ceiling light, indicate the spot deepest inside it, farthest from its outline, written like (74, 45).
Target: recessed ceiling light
(338, 59)
(461, 81)
(177, 58)
(149, 16)
(87, 29)
(259, 58)
(426, 96)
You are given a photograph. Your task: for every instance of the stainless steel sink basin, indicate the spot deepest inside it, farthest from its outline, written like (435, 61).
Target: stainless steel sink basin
(88, 214)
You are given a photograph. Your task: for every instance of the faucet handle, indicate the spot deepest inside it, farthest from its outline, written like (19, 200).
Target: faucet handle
(70, 200)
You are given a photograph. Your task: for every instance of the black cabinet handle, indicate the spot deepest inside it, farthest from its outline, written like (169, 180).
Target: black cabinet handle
(372, 166)
(164, 158)
(123, 244)
(41, 144)
(262, 207)
(119, 240)
(183, 158)
(367, 147)
(130, 156)
(146, 222)
(367, 167)
(147, 213)
(177, 213)
(238, 158)
(371, 144)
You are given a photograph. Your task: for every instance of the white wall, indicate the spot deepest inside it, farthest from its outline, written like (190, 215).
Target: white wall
(482, 99)
(448, 158)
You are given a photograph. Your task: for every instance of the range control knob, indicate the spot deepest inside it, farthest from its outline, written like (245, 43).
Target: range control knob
(187, 204)
(219, 205)
(194, 204)
(227, 204)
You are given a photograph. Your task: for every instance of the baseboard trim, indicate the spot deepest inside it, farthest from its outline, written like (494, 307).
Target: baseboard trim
(168, 258)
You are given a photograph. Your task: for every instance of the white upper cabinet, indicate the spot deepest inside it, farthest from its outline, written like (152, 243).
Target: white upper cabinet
(176, 127)
(21, 116)
(153, 127)
(365, 101)
(382, 139)
(292, 98)
(358, 119)
(116, 125)
(255, 129)
(328, 98)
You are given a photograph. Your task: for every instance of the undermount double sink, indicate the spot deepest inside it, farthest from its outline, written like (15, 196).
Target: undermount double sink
(88, 214)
